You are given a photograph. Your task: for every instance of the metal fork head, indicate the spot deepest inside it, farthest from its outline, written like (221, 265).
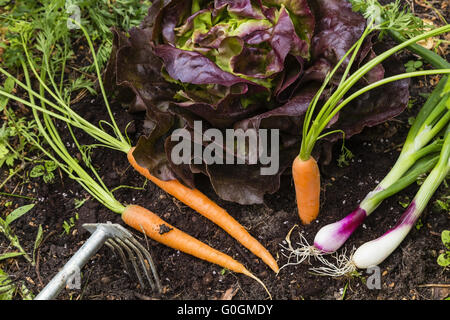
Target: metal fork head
(127, 248)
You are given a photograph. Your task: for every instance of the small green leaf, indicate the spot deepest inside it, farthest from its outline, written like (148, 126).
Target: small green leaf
(39, 237)
(403, 204)
(50, 166)
(418, 64)
(8, 86)
(26, 293)
(37, 171)
(444, 259)
(3, 151)
(10, 160)
(419, 224)
(79, 203)
(10, 255)
(445, 236)
(443, 204)
(16, 214)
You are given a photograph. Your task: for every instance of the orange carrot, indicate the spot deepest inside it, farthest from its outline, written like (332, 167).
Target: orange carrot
(210, 210)
(306, 176)
(157, 229)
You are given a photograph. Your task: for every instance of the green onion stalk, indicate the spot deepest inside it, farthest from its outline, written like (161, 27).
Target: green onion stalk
(331, 237)
(312, 129)
(433, 117)
(374, 252)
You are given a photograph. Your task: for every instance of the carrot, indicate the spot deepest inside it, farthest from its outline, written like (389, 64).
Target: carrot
(193, 198)
(157, 229)
(306, 176)
(210, 210)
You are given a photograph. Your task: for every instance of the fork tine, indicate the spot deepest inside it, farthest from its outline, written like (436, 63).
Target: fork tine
(132, 258)
(143, 262)
(123, 244)
(119, 251)
(150, 263)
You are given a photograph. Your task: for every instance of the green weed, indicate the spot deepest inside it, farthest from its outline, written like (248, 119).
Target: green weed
(444, 259)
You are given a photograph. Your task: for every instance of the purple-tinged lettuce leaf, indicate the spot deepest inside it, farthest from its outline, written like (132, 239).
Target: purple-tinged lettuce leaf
(301, 16)
(242, 8)
(195, 68)
(242, 65)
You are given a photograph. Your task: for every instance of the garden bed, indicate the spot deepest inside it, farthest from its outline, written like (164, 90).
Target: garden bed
(406, 274)
(411, 272)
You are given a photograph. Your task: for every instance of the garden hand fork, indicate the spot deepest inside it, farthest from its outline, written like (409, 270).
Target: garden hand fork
(120, 240)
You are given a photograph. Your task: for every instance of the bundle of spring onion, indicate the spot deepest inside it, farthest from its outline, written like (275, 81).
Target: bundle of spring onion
(431, 120)
(373, 253)
(376, 251)
(305, 171)
(419, 155)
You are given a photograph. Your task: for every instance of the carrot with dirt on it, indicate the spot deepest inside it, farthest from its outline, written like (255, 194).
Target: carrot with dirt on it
(135, 216)
(191, 197)
(157, 229)
(209, 209)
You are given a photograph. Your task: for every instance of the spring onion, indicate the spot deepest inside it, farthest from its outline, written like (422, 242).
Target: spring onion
(432, 118)
(305, 171)
(418, 156)
(374, 252)
(330, 238)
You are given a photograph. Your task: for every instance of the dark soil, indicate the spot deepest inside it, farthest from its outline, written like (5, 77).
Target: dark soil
(411, 272)
(405, 273)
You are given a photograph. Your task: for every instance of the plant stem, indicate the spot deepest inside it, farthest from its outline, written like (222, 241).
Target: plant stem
(11, 175)
(16, 196)
(100, 82)
(329, 109)
(409, 178)
(375, 85)
(68, 116)
(71, 166)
